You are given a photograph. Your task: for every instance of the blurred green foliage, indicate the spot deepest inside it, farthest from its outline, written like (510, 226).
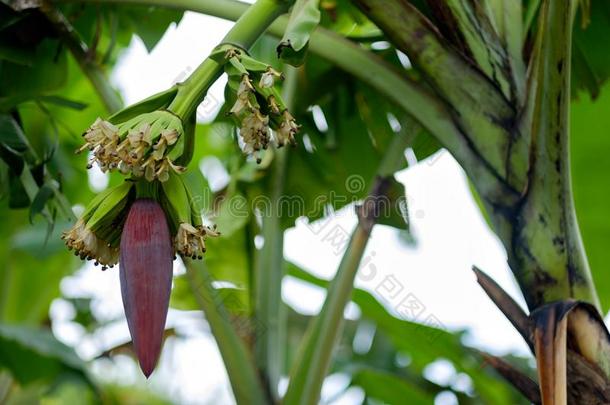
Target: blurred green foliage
(45, 104)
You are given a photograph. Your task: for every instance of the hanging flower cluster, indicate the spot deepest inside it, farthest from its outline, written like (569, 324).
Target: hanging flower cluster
(145, 146)
(147, 143)
(185, 220)
(96, 235)
(150, 217)
(88, 246)
(190, 240)
(258, 108)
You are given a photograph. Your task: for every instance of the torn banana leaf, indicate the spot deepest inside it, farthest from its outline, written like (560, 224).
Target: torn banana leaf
(304, 18)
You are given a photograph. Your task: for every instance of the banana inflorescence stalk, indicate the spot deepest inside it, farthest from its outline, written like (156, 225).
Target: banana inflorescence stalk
(150, 218)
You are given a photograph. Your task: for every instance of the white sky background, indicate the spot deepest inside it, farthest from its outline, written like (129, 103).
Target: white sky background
(451, 236)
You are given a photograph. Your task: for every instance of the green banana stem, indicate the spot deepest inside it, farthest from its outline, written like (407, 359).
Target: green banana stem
(269, 348)
(251, 25)
(475, 31)
(6, 384)
(240, 368)
(315, 352)
(147, 189)
(545, 247)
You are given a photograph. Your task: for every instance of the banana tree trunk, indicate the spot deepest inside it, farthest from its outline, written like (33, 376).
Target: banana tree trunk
(544, 244)
(521, 138)
(523, 146)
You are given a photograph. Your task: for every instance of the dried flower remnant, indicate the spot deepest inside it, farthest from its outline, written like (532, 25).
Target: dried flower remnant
(244, 93)
(288, 128)
(190, 240)
(102, 139)
(268, 78)
(254, 132)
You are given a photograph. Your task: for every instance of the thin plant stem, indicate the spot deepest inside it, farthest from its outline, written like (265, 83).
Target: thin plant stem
(247, 29)
(269, 272)
(315, 352)
(240, 368)
(109, 97)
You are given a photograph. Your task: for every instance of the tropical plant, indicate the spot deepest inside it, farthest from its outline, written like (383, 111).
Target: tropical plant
(490, 81)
